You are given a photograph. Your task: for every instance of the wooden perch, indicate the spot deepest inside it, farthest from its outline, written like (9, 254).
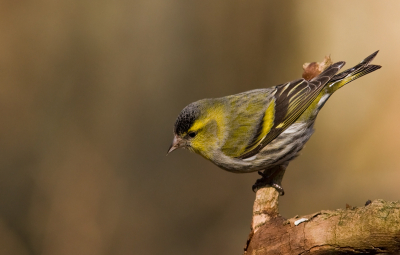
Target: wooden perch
(374, 228)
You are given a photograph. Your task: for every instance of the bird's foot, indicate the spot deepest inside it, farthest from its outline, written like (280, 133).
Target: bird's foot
(267, 180)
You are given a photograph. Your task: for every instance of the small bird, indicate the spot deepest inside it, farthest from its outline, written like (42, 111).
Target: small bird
(262, 129)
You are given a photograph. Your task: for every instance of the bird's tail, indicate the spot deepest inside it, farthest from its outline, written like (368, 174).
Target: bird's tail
(349, 75)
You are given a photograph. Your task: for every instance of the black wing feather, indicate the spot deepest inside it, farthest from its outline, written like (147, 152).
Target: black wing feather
(291, 100)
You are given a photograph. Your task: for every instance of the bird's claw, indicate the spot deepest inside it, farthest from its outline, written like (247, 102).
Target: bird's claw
(267, 181)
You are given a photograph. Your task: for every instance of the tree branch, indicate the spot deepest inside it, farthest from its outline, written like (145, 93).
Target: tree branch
(374, 228)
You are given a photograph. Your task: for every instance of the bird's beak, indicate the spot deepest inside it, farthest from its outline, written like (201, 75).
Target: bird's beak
(176, 143)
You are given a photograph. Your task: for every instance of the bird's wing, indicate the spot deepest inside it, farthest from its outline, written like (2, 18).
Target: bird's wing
(290, 101)
(244, 113)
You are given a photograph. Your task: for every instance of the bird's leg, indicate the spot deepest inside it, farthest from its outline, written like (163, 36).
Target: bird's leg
(269, 178)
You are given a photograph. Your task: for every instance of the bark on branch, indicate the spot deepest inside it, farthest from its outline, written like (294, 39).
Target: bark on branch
(374, 228)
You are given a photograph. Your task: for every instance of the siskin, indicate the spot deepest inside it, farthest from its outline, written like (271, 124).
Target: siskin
(261, 129)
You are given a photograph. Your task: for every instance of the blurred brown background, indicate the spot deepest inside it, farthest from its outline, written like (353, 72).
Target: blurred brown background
(90, 91)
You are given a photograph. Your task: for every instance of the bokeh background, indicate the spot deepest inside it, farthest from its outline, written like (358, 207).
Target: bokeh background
(89, 92)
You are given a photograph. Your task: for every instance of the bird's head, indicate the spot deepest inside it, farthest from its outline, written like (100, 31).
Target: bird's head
(197, 128)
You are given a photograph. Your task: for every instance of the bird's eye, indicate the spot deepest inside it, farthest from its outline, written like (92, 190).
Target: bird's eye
(192, 134)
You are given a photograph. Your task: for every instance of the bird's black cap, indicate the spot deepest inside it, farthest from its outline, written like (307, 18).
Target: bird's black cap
(186, 118)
